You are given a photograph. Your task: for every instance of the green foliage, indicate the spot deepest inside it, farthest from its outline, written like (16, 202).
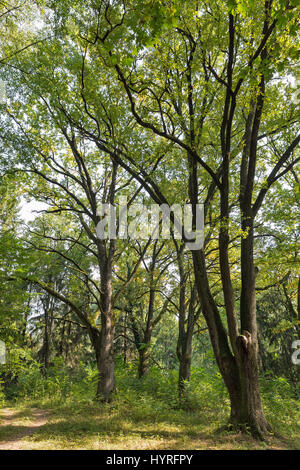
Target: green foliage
(282, 404)
(34, 383)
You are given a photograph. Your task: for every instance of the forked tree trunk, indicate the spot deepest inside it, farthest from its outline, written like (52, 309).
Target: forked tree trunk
(142, 341)
(239, 371)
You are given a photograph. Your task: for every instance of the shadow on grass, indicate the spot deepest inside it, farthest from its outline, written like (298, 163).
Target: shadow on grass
(103, 427)
(12, 433)
(14, 414)
(89, 430)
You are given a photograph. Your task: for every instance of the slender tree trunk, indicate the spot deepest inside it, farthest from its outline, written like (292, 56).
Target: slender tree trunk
(125, 340)
(144, 349)
(67, 343)
(62, 340)
(46, 341)
(186, 330)
(185, 362)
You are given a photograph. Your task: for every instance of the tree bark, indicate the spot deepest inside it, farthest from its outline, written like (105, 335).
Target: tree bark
(106, 364)
(144, 357)
(186, 329)
(105, 338)
(247, 410)
(102, 342)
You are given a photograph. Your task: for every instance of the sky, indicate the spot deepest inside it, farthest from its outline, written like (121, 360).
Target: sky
(27, 210)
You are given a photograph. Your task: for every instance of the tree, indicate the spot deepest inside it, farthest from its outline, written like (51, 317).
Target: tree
(68, 184)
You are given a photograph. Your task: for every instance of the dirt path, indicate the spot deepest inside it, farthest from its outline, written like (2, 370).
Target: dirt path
(20, 426)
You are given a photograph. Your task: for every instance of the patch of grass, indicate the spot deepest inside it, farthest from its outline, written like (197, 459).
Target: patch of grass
(146, 414)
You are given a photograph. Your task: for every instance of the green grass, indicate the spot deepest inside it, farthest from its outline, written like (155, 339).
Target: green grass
(146, 414)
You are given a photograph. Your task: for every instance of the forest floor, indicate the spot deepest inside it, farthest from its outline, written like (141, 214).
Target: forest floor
(19, 425)
(106, 428)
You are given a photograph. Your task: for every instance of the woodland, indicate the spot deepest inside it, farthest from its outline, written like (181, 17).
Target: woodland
(140, 342)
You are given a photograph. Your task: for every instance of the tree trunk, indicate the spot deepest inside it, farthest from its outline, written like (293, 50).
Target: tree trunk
(46, 341)
(106, 364)
(144, 356)
(246, 410)
(144, 347)
(105, 359)
(184, 371)
(185, 336)
(102, 341)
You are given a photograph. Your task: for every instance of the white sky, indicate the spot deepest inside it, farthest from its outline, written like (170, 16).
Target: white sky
(27, 211)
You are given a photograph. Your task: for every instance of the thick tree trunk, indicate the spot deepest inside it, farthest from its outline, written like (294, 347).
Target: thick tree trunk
(247, 408)
(240, 371)
(106, 364)
(105, 360)
(102, 341)
(251, 411)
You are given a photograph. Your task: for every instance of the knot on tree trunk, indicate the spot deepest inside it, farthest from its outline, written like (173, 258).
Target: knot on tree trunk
(244, 341)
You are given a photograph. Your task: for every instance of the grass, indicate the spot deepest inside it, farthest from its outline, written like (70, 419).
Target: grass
(146, 415)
